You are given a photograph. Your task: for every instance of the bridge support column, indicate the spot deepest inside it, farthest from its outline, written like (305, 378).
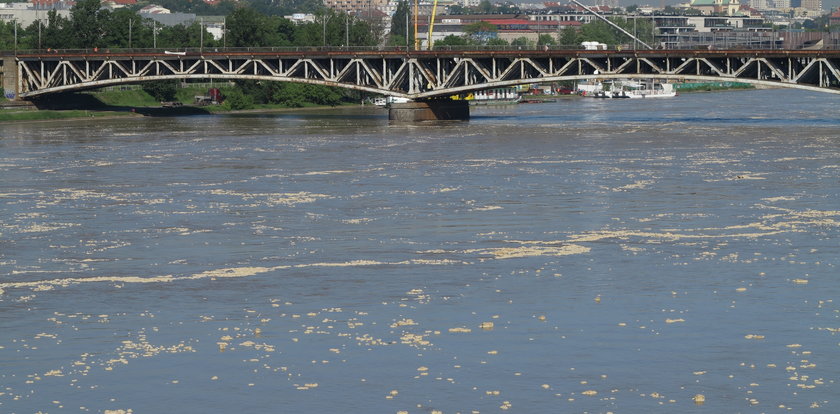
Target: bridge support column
(8, 73)
(438, 110)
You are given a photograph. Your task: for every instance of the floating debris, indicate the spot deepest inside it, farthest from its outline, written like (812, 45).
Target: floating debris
(460, 330)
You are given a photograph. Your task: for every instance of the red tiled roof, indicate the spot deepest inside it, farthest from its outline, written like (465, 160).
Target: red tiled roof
(508, 21)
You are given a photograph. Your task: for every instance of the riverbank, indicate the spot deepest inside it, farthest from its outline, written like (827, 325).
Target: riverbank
(131, 103)
(691, 87)
(34, 115)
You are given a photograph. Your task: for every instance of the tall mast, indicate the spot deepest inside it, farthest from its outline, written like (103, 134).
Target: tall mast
(416, 40)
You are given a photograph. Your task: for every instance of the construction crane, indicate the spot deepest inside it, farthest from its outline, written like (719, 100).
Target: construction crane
(429, 40)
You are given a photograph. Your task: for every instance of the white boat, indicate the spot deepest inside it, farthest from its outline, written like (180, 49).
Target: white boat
(597, 89)
(589, 88)
(649, 90)
(388, 100)
(496, 96)
(627, 89)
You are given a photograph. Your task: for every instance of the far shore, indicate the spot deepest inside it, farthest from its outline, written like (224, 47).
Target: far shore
(51, 115)
(29, 114)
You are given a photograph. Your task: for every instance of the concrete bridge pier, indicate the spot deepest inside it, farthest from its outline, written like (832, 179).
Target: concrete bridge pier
(8, 74)
(432, 110)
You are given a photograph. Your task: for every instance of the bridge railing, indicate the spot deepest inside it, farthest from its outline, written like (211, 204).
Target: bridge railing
(193, 51)
(700, 44)
(287, 49)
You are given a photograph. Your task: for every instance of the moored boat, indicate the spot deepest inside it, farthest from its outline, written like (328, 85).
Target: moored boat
(627, 89)
(386, 101)
(649, 90)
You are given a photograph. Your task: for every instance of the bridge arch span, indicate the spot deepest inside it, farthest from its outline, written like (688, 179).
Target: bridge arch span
(700, 78)
(128, 81)
(426, 95)
(430, 74)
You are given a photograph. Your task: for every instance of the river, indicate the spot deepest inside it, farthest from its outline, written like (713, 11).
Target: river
(583, 256)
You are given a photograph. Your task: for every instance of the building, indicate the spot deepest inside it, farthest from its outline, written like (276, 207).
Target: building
(51, 4)
(760, 4)
(814, 5)
(571, 16)
(27, 13)
(116, 4)
(613, 4)
(717, 7)
(154, 9)
(834, 19)
(355, 6)
(508, 27)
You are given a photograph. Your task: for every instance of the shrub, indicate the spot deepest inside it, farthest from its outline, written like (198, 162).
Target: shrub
(161, 90)
(236, 100)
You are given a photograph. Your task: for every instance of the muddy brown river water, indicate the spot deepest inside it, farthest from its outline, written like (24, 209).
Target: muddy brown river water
(582, 256)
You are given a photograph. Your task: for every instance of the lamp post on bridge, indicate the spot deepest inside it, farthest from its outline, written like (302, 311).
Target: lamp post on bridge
(635, 33)
(324, 36)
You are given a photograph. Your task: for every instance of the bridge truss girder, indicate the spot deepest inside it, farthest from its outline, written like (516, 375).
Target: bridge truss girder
(432, 74)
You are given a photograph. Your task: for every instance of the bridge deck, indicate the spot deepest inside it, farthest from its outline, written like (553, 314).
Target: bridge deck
(478, 53)
(422, 74)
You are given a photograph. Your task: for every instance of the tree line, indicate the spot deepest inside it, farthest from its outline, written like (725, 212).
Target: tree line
(486, 34)
(89, 26)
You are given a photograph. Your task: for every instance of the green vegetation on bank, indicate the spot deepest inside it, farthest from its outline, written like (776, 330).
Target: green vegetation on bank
(7, 115)
(237, 96)
(125, 98)
(711, 86)
(146, 99)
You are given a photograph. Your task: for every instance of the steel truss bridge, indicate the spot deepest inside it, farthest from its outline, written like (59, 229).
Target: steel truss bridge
(423, 75)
